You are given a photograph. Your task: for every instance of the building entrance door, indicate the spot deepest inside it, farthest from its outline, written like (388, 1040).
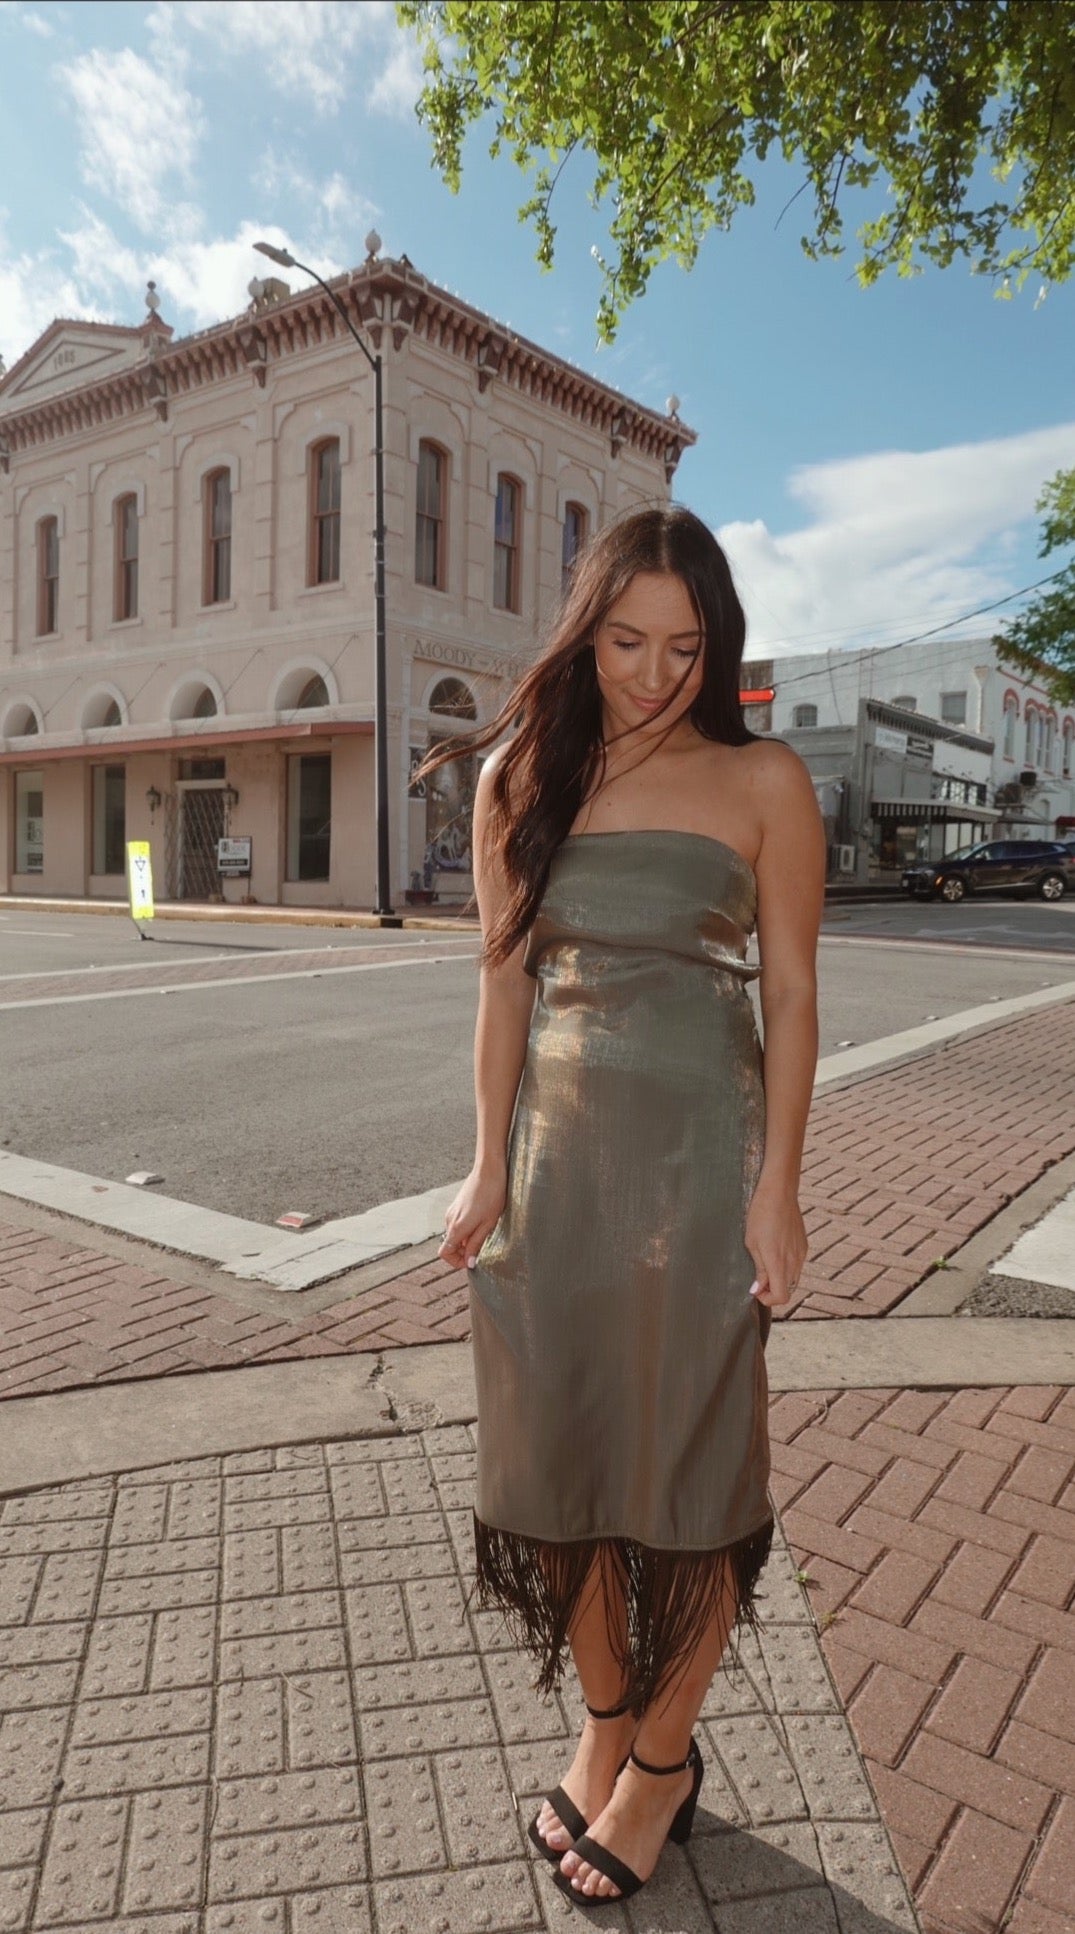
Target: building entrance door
(202, 821)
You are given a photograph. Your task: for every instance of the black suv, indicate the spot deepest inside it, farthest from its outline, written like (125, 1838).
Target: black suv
(1023, 866)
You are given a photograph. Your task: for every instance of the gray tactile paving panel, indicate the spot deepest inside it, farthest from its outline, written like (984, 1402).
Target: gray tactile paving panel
(245, 1695)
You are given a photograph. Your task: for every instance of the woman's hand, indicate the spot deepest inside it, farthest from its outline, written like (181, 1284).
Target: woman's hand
(776, 1238)
(473, 1215)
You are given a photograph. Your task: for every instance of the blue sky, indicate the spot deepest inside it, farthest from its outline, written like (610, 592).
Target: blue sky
(870, 458)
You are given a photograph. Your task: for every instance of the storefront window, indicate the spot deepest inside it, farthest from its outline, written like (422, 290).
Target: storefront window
(450, 810)
(309, 815)
(29, 822)
(109, 818)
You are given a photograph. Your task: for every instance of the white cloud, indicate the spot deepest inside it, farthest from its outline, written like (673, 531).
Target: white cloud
(139, 129)
(336, 215)
(34, 290)
(36, 23)
(310, 49)
(399, 84)
(892, 541)
(200, 282)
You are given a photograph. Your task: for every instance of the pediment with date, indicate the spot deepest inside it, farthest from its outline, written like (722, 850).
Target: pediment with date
(66, 356)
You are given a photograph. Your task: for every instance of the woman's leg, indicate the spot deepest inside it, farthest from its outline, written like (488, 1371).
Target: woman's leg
(604, 1742)
(635, 1822)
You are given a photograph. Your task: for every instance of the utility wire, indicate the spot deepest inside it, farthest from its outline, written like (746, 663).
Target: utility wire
(875, 651)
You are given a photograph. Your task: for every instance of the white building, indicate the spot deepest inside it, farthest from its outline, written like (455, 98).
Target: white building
(916, 749)
(186, 581)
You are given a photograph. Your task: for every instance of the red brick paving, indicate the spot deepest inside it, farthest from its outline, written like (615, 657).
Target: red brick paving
(944, 1584)
(70, 1316)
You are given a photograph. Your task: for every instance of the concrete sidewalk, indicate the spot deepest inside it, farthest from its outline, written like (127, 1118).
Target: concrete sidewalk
(240, 1690)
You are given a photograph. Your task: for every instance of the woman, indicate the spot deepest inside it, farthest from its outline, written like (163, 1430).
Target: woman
(631, 1218)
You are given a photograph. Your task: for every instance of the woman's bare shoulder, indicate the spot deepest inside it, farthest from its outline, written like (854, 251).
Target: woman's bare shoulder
(775, 771)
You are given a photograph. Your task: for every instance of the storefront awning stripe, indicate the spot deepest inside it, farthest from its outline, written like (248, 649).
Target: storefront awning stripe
(184, 742)
(911, 809)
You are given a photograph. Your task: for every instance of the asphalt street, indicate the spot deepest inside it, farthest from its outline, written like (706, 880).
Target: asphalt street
(259, 1070)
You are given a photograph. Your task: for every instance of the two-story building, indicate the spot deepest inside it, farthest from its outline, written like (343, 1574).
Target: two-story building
(920, 748)
(186, 580)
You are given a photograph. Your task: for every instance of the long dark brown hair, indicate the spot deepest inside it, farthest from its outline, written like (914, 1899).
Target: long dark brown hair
(557, 749)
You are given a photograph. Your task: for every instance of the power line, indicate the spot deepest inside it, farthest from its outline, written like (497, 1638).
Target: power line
(876, 651)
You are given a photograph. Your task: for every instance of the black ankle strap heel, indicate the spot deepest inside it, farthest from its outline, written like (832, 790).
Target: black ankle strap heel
(680, 1829)
(607, 1862)
(562, 1804)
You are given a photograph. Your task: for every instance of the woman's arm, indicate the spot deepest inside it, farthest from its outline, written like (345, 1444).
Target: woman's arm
(505, 1008)
(791, 891)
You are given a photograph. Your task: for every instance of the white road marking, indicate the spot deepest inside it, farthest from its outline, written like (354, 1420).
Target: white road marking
(240, 980)
(147, 963)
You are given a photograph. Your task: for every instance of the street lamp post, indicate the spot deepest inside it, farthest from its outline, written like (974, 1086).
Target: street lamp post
(383, 907)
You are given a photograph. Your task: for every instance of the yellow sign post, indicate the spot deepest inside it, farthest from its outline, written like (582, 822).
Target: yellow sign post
(140, 879)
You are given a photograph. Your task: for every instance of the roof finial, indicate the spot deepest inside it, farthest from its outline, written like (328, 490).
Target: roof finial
(153, 301)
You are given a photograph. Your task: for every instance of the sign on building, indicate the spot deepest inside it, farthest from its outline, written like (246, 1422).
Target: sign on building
(233, 858)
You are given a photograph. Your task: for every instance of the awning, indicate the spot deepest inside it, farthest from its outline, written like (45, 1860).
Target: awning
(114, 747)
(912, 812)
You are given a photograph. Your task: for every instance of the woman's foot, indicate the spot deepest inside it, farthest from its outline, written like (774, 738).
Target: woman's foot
(592, 1775)
(633, 1825)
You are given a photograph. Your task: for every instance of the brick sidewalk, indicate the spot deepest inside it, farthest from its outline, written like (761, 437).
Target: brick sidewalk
(243, 1698)
(937, 1533)
(899, 1169)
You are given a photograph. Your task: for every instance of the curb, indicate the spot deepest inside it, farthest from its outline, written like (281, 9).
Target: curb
(252, 916)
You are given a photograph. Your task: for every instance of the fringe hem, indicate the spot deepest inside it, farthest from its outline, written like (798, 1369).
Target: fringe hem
(669, 1598)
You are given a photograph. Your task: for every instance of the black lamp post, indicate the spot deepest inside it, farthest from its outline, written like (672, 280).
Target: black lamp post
(383, 907)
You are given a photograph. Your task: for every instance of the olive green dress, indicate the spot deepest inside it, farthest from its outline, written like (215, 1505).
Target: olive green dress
(619, 1357)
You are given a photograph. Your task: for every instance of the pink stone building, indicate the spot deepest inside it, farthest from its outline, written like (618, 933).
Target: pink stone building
(186, 581)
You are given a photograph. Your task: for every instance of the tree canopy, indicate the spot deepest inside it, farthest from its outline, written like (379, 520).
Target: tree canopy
(1041, 640)
(961, 117)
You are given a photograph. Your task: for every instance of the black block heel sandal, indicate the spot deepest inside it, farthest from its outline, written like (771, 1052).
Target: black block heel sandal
(618, 1871)
(563, 1805)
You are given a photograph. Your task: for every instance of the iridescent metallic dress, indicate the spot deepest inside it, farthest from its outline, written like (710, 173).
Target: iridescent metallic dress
(619, 1356)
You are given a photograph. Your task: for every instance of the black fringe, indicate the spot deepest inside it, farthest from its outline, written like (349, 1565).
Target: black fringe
(670, 1597)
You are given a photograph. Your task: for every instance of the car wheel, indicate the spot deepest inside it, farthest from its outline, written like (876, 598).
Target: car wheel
(1051, 886)
(953, 890)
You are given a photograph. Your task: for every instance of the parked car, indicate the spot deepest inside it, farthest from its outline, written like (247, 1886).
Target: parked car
(1019, 866)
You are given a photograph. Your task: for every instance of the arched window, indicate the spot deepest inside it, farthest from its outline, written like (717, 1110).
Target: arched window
(576, 531)
(1028, 758)
(1050, 743)
(216, 541)
(1066, 743)
(324, 557)
(112, 715)
(125, 574)
(454, 698)
(506, 544)
(908, 702)
(804, 715)
(206, 706)
(429, 548)
(48, 576)
(314, 693)
(1011, 715)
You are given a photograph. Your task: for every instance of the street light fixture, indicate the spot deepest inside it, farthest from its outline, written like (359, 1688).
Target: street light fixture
(383, 907)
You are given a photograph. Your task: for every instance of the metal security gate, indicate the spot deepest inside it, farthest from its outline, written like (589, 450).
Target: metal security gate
(196, 816)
